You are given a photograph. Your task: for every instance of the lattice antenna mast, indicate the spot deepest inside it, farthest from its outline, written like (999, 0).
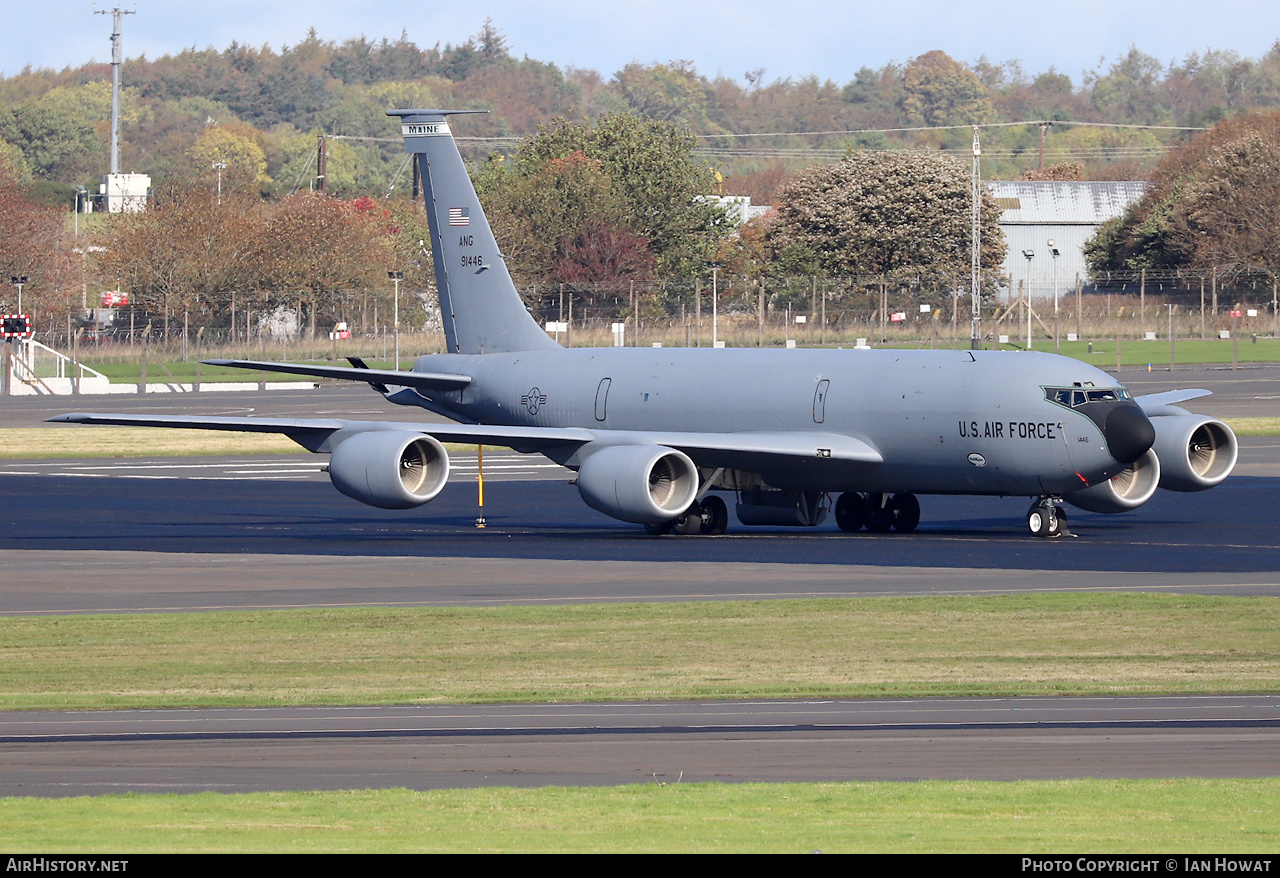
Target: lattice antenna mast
(117, 58)
(975, 247)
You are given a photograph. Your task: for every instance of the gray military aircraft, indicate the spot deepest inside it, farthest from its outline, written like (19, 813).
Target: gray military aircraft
(657, 435)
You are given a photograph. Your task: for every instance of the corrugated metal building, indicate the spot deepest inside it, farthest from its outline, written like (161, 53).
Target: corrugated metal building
(1067, 213)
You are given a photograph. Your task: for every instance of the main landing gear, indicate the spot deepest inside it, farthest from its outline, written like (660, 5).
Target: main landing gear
(1046, 518)
(879, 513)
(709, 517)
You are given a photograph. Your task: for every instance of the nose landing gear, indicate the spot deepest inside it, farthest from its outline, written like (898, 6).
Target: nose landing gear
(1046, 518)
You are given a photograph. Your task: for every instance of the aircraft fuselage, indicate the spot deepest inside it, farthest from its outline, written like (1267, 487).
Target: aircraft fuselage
(955, 422)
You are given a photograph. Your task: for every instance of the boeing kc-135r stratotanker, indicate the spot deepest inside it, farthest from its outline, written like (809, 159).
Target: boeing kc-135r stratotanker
(656, 435)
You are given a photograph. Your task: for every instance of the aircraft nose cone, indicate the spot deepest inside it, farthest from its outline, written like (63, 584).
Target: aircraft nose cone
(1128, 432)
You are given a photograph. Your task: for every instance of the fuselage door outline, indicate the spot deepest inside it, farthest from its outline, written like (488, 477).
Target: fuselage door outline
(602, 399)
(820, 401)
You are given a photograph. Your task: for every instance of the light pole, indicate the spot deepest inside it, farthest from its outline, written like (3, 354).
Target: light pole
(396, 277)
(218, 166)
(1029, 254)
(19, 282)
(715, 273)
(1053, 251)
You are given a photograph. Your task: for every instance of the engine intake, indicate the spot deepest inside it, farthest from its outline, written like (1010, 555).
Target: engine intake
(390, 469)
(644, 484)
(1196, 452)
(1128, 489)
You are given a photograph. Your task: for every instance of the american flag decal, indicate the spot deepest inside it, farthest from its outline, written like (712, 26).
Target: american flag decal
(459, 216)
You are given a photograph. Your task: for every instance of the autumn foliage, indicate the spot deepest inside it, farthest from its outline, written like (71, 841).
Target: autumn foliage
(192, 252)
(34, 243)
(1213, 203)
(893, 214)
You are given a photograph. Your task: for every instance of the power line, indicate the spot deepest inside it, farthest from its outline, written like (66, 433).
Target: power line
(953, 128)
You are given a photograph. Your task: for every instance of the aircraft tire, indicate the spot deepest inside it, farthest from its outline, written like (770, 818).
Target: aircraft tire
(1041, 521)
(851, 511)
(906, 512)
(689, 522)
(661, 529)
(879, 514)
(715, 516)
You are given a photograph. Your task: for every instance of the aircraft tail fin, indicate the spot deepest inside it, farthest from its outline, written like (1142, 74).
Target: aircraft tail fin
(480, 307)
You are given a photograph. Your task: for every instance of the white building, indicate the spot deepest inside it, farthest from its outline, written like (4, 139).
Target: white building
(124, 193)
(738, 208)
(1067, 213)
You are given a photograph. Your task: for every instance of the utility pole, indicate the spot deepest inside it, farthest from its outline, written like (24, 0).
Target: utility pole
(322, 163)
(117, 59)
(975, 248)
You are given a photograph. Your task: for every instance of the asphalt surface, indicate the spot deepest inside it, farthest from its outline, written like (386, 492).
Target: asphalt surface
(156, 536)
(530, 745)
(93, 536)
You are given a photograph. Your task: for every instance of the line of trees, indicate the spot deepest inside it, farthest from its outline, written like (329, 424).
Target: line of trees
(600, 202)
(1214, 203)
(270, 104)
(611, 214)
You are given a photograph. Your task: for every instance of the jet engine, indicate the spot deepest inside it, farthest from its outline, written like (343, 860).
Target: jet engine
(390, 469)
(1127, 490)
(1196, 452)
(644, 484)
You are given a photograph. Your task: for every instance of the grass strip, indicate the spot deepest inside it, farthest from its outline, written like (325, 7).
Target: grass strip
(63, 441)
(1255, 426)
(995, 645)
(1025, 817)
(1136, 353)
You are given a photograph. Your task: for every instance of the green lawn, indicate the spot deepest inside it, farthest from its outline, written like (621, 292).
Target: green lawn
(1134, 353)
(1000, 645)
(1026, 817)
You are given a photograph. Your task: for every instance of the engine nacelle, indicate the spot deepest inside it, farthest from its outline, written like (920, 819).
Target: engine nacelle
(1129, 489)
(390, 469)
(644, 484)
(1196, 452)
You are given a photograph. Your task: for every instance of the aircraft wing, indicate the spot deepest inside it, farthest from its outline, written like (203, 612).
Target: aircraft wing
(1152, 403)
(317, 434)
(706, 449)
(376, 377)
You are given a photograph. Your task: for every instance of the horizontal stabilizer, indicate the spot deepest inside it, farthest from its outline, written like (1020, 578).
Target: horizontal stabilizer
(384, 377)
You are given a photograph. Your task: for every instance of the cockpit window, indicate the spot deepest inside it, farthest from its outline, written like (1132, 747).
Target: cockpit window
(1074, 397)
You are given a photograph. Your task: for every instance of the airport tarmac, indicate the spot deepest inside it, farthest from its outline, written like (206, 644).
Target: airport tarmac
(166, 535)
(80, 753)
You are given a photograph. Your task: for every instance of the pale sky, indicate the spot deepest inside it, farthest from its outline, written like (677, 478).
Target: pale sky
(788, 39)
